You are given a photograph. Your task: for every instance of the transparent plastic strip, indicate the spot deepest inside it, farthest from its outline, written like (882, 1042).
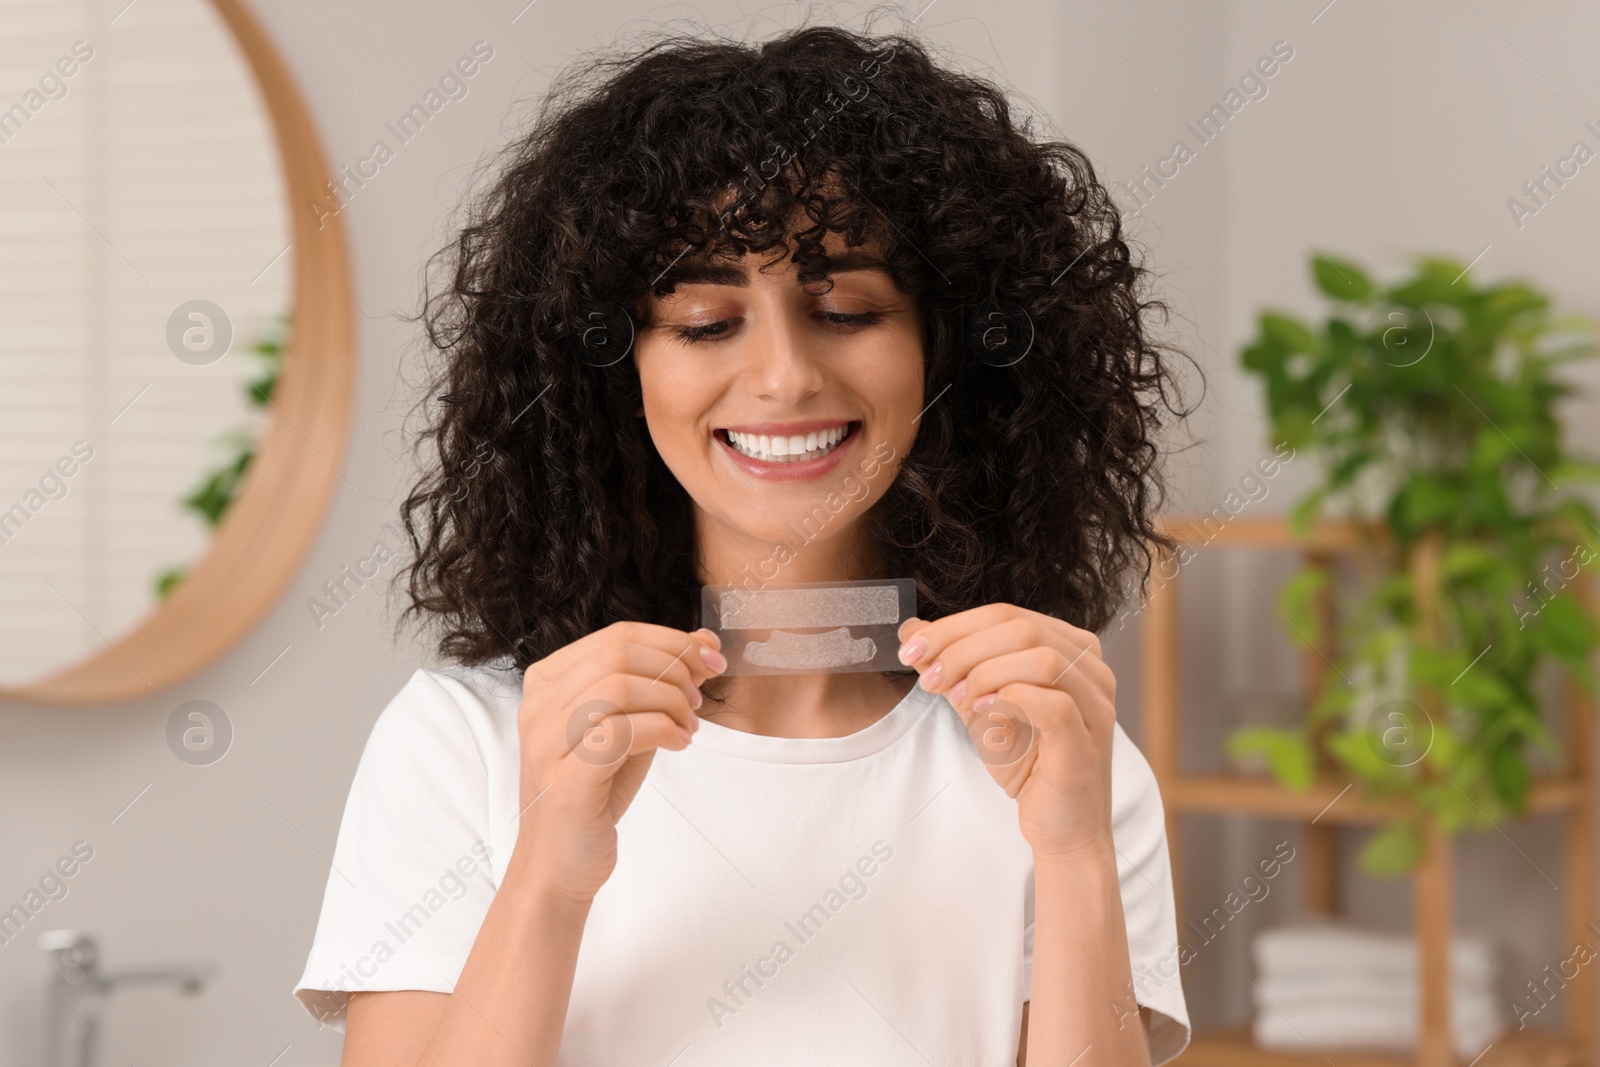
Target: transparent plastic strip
(810, 628)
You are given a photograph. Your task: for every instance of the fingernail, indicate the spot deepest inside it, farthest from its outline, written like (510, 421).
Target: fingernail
(687, 737)
(931, 677)
(983, 702)
(713, 659)
(913, 650)
(695, 699)
(958, 692)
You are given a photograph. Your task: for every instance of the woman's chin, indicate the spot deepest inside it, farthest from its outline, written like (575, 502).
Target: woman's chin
(790, 531)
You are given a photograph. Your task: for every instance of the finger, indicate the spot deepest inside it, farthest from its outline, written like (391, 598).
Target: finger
(1049, 712)
(687, 666)
(643, 633)
(686, 670)
(623, 694)
(909, 627)
(1008, 746)
(605, 746)
(702, 657)
(626, 658)
(1084, 678)
(665, 636)
(713, 638)
(1068, 658)
(676, 642)
(565, 660)
(1036, 668)
(922, 647)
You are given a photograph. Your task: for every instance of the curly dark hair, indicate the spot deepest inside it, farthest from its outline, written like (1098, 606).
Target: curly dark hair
(546, 511)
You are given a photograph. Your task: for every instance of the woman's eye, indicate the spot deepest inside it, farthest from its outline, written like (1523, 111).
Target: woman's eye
(691, 334)
(712, 330)
(840, 318)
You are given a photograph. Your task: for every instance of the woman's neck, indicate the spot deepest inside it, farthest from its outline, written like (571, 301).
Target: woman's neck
(803, 705)
(796, 705)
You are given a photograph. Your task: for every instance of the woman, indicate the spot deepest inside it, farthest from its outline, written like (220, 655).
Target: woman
(809, 311)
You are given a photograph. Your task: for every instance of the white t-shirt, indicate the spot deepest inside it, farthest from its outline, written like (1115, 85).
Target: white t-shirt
(865, 899)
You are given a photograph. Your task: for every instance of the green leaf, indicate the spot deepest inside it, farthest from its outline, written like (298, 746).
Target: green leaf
(1393, 850)
(1574, 470)
(1287, 753)
(1565, 628)
(1466, 561)
(1510, 771)
(1304, 513)
(1263, 358)
(1475, 686)
(168, 580)
(1566, 353)
(1340, 278)
(1491, 449)
(1298, 602)
(1348, 467)
(1506, 302)
(1295, 429)
(1358, 752)
(1436, 282)
(1425, 500)
(1571, 323)
(1287, 333)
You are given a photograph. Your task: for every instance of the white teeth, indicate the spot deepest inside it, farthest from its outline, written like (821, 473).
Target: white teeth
(781, 449)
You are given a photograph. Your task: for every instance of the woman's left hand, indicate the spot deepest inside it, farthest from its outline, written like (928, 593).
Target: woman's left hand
(1040, 704)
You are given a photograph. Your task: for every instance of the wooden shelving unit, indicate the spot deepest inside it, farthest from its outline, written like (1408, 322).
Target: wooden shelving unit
(1330, 805)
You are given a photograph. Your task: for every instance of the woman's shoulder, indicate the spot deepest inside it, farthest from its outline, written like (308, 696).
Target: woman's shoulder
(489, 688)
(469, 711)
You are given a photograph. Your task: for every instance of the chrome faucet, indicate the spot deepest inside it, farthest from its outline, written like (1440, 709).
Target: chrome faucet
(80, 990)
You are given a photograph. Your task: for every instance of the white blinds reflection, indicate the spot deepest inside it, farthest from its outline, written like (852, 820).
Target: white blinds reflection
(145, 178)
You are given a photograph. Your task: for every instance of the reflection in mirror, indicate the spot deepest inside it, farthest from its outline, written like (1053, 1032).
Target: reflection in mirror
(144, 249)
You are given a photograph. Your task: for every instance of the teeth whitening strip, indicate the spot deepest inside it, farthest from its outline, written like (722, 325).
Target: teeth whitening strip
(810, 628)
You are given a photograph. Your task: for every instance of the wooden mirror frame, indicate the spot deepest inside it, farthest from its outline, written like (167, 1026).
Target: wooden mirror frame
(286, 491)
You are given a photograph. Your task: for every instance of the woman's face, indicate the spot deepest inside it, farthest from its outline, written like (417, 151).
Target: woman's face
(783, 414)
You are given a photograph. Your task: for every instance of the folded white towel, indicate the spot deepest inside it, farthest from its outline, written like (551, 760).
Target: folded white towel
(1344, 986)
(1391, 1006)
(1319, 948)
(1330, 984)
(1315, 1027)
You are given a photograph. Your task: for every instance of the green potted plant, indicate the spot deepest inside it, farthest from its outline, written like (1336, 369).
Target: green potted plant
(217, 488)
(1428, 406)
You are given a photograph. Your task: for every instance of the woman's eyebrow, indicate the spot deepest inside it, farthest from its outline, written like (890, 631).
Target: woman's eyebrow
(722, 272)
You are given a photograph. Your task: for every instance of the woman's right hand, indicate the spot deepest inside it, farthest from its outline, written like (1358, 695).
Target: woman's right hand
(593, 713)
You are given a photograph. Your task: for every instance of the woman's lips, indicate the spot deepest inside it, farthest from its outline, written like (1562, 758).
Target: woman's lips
(794, 469)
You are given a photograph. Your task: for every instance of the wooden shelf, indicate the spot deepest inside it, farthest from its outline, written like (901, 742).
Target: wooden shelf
(1327, 536)
(1245, 795)
(1270, 532)
(1233, 1048)
(1328, 805)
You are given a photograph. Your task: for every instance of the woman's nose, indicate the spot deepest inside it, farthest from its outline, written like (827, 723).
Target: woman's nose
(786, 359)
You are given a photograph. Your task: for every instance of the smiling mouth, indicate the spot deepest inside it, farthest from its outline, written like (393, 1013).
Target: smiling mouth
(794, 448)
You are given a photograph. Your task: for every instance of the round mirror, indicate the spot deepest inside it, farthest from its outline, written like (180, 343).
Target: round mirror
(176, 366)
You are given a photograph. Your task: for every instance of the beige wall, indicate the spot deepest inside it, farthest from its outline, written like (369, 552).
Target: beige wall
(1390, 130)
